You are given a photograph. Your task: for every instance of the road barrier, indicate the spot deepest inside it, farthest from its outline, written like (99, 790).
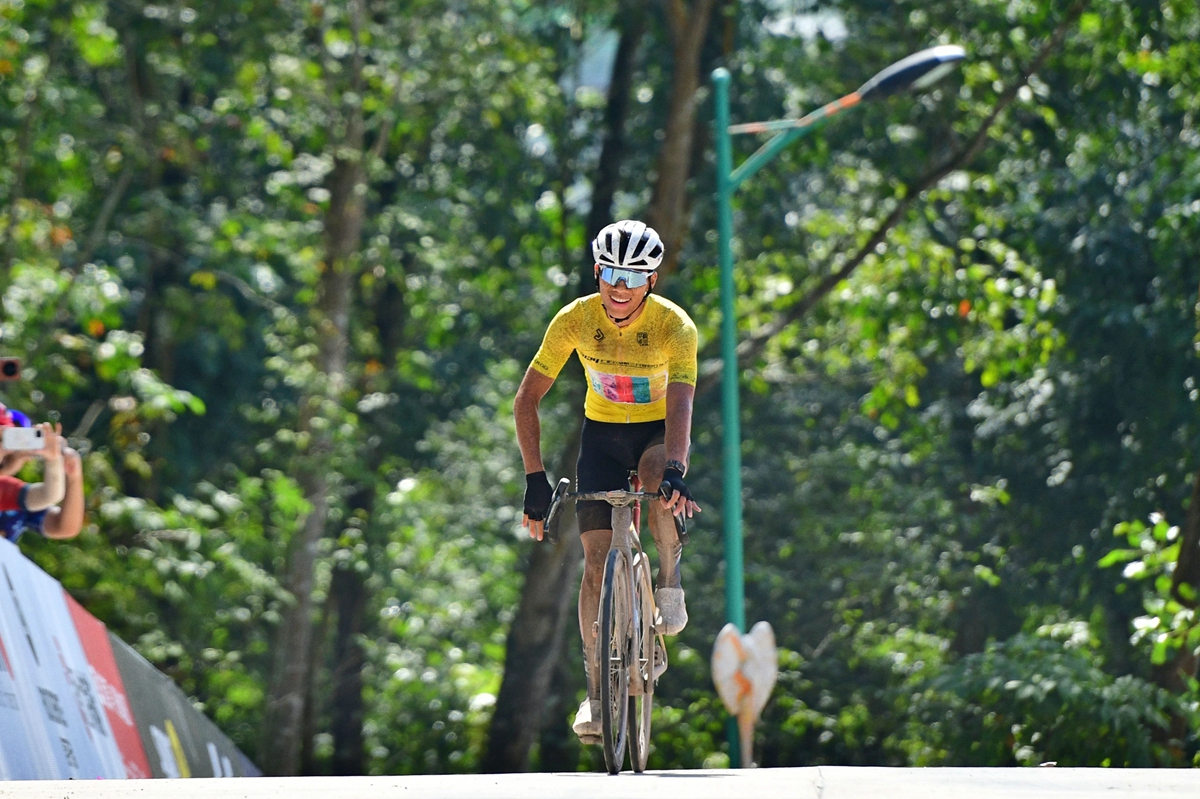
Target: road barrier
(76, 702)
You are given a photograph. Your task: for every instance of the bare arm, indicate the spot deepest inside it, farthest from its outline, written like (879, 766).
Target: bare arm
(678, 437)
(39, 496)
(529, 435)
(529, 428)
(12, 462)
(66, 520)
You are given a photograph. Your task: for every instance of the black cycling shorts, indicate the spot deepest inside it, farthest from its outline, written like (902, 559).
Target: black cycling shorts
(608, 452)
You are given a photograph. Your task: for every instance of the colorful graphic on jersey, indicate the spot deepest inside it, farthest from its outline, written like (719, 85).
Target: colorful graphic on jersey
(628, 390)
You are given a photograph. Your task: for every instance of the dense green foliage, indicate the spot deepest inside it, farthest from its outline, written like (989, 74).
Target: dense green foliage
(936, 455)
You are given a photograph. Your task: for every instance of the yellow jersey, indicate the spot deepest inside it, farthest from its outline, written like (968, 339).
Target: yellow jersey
(628, 368)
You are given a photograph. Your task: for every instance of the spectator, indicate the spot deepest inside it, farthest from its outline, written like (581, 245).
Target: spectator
(35, 506)
(11, 418)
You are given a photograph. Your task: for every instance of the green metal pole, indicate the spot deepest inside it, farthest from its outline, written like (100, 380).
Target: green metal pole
(735, 606)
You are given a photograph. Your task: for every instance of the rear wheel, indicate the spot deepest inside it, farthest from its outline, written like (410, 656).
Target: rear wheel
(615, 647)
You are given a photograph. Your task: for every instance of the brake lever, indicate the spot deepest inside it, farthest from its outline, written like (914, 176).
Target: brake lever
(556, 499)
(681, 529)
(680, 521)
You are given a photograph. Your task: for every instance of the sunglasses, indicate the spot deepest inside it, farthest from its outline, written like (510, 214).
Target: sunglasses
(633, 278)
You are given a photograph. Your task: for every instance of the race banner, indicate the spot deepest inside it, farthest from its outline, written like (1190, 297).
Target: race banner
(76, 702)
(67, 735)
(110, 689)
(56, 617)
(180, 742)
(16, 760)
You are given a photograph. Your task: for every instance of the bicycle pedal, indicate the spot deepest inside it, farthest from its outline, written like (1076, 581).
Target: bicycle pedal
(660, 658)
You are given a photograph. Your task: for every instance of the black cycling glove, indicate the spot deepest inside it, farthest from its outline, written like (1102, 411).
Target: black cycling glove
(538, 494)
(672, 481)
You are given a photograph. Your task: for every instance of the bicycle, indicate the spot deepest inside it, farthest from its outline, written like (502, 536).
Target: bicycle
(636, 655)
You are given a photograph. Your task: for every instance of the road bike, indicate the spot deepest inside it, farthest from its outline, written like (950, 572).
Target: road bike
(629, 643)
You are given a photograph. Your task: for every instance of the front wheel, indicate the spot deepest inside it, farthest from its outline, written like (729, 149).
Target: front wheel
(641, 700)
(614, 649)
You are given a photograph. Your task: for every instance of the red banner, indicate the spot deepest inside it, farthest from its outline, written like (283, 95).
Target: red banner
(93, 635)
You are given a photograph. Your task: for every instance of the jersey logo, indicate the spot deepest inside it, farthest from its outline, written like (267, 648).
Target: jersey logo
(643, 339)
(628, 390)
(599, 335)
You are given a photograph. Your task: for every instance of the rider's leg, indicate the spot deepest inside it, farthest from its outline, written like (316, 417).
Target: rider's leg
(595, 546)
(662, 526)
(669, 594)
(598, 469)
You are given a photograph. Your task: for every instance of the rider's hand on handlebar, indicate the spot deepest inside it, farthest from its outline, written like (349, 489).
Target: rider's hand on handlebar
(675, 495)
(538, 494)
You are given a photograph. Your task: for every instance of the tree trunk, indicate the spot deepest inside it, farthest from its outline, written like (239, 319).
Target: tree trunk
(283, 719)
(350, 593)
(554, 742)
(312, 689)
(612, 153)
(1175, 674)
(667, 213)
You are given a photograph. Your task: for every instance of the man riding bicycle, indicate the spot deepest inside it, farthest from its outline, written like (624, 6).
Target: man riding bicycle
(639, 353)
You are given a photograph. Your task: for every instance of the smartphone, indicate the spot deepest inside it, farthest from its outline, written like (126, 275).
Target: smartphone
(10, 368)
(23, 439)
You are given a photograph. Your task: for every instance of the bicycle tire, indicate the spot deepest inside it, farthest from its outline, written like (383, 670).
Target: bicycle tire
(641, 702)
(614, 655)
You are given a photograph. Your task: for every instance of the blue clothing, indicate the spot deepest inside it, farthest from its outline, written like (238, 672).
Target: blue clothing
(15, 523)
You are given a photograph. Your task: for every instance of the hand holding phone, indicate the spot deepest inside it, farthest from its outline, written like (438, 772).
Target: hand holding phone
(52, 441)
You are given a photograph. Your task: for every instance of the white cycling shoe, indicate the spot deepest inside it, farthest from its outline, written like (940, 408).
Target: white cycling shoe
(672, 609)
(587, 722)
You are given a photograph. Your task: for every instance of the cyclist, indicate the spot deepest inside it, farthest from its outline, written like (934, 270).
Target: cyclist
(639, 353)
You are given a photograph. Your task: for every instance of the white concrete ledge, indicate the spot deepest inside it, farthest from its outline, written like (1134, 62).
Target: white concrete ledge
(818, 782)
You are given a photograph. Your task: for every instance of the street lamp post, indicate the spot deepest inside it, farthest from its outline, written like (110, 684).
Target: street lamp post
(918, 71)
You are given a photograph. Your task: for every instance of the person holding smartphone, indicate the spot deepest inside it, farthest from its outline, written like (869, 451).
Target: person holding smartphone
(61, 521)
(16, 494)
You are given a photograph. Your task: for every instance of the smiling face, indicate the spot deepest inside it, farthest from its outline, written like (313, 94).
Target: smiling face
(622, 302)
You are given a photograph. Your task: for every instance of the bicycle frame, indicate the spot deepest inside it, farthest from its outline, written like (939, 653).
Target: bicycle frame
(626, 540)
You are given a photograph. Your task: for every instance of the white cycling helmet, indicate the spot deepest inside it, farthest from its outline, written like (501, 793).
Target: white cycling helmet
(628, 244)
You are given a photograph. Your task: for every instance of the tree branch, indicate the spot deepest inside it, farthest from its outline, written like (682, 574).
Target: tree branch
(100, 226)
(750, 347)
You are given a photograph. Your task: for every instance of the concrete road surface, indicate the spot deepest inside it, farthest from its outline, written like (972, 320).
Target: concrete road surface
(823, 782)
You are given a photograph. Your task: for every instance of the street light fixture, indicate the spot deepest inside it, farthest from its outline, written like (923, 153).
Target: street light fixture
(917, 71)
